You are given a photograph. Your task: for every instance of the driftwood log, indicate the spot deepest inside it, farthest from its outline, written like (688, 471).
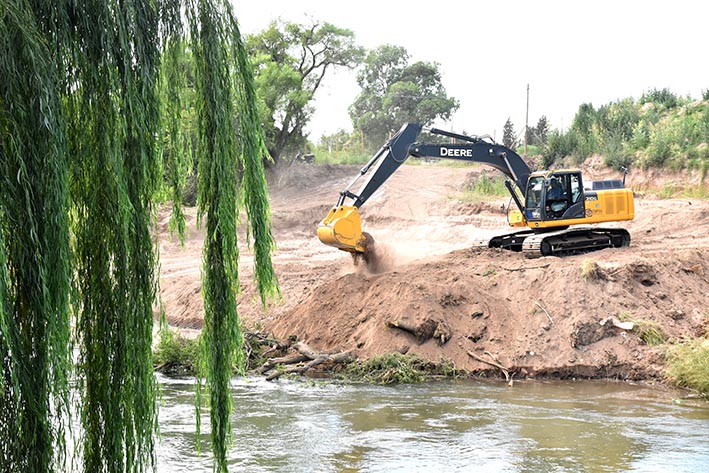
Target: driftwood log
(302, 361)
(265, 344)
(425, 330)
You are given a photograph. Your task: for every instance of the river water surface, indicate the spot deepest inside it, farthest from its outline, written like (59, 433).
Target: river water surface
(290, 426)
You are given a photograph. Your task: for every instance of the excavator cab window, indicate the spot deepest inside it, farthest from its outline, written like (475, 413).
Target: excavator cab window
(533, 202)
(576, 188)
(564, 196)
(557, 196)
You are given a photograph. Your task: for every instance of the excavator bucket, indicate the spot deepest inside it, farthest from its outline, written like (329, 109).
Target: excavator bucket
(342, 228)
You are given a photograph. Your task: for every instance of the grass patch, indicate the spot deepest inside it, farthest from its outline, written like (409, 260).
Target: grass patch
(395, 368)
(489, 271)
(695, 192)
(488, 186)
(484, 188)
(668, 191)
(342, 157)
(650, 332)
(590, 270)
(672, 191)
(688, 365)
(532, 150)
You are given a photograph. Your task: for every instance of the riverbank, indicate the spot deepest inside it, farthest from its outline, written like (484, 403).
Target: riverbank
(542, 318)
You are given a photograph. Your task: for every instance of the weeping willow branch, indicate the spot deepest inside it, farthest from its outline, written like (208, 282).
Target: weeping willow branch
(177, 157)
(254, 181)
(79, 121)
(115, 112)
(34, 243)
(225, 92)
(221, 337)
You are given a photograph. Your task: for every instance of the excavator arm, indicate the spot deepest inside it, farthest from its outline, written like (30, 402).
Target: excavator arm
(342, 228)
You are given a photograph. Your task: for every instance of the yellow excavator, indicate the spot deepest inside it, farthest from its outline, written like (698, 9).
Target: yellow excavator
(548, 202)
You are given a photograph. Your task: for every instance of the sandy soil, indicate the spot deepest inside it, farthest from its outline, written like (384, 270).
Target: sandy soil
(537, 317)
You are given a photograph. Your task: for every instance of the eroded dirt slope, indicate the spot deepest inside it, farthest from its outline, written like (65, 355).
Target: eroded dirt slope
(535, 316)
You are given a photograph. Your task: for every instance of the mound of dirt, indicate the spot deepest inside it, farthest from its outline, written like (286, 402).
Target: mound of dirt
(535, 317)
(434, 296)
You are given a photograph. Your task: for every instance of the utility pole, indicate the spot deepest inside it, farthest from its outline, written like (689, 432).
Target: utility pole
(526, 124)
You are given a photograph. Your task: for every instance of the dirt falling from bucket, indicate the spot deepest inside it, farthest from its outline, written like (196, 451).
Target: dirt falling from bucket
(377, 259)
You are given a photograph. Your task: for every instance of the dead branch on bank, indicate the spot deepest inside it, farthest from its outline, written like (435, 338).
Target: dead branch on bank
(305, 354)
(523, 268)
(493, 363)
(545, 311)
(264, 340)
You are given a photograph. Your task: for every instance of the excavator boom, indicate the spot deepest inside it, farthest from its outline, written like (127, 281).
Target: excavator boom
(342, 228)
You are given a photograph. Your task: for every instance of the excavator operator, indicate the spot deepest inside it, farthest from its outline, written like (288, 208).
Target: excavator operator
(555, 191)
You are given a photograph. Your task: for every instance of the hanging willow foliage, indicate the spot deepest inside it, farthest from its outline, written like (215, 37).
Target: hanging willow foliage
(115, 112)
(174, 84)
(228, 166)
(34, 243)
(79, 126)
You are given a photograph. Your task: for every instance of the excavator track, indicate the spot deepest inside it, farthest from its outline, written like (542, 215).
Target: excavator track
(558, 243)
(512, 241)
(574, 241)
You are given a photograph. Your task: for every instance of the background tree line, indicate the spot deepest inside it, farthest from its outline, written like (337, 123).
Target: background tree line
(291, 60)
(658, 129)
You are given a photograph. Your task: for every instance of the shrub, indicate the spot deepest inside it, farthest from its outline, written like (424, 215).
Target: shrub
(176, 354)
(391, 368)
(615, 153)
(659, 149)
(559, 145)
(664, 98)
(585, 147)
(590, 270)
(617, 118)
(641, 135)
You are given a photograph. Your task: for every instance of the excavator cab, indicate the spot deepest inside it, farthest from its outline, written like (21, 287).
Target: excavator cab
(554, 196)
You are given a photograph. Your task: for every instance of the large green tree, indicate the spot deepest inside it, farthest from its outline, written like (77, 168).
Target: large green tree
(291, 61)
(395, 92)
(79, 166)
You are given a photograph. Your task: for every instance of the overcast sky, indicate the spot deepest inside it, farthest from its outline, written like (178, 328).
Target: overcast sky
(569, 52)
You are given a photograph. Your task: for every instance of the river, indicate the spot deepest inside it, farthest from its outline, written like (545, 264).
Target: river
(302, 426)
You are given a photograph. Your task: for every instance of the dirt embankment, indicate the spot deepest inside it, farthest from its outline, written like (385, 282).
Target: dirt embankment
(537, 317)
